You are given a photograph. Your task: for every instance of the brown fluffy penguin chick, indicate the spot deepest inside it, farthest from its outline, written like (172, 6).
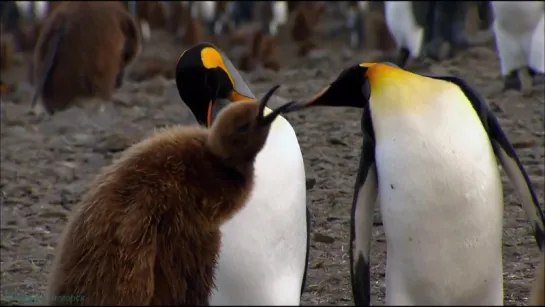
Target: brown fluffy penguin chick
(151, 68)
(154, 12)
(305, 18)
(148, 230)
(268, 52)
(178, 13)
(257, 48)
(305, 47)
(537, 296)
(194, 31)
(264, 51)
(81, 52)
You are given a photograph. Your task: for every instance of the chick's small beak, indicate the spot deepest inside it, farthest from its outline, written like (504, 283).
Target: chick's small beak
(268, 119)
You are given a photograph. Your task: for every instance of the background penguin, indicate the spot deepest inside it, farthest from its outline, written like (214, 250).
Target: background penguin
(355, 23)
(448, 23)
(409, 23)
(484, 12)
(148, 15)
(22, 20)
(428, 154)
(264, 257)
(303, 25)
(82, 52)
(148, 231)
(32, 9)
(272, 15)
(269, 14)
(519, 29)
(537, 297)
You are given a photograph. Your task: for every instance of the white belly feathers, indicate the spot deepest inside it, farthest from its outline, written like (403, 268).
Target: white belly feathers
(262, 258)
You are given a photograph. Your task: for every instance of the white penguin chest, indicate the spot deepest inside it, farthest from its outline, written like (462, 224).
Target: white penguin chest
(279, 187)
(441, 201)
(436, 171)
(264, 245)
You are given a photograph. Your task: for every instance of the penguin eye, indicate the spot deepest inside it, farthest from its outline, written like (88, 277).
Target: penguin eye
(244, 127)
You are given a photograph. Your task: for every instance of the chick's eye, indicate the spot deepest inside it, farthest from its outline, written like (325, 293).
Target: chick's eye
(244, 127)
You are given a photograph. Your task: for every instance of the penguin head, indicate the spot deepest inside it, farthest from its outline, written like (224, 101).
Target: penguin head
(207, 81)
(241, 129)
(353, 87)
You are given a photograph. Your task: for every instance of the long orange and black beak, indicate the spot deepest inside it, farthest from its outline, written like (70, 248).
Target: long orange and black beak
(223, 84)
(352, 88)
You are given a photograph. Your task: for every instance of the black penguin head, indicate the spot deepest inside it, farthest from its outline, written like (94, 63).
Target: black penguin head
(352, 88)
(207, 81)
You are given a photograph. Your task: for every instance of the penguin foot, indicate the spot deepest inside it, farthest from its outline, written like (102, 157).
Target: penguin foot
(458, 47)
(402, 57)
(433, 49)
(538, 79)
(512, 81)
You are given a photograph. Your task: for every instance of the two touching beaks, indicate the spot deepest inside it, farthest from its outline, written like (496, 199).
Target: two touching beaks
(268, 119)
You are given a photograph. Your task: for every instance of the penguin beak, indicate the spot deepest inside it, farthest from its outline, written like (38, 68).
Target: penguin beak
(215, 106)
(268, 119)
(350, 89)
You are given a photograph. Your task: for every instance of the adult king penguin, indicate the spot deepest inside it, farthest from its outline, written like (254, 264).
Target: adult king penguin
(264, 255)
(519, 28)
(408, 22)
(428, 157)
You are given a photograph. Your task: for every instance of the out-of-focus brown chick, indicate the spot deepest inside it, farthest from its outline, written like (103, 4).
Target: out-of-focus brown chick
(82, 52)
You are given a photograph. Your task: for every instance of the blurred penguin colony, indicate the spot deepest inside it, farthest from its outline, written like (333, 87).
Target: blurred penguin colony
(405, 32)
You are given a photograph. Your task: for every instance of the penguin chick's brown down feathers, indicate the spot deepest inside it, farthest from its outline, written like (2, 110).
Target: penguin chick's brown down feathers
(81, 52)
(147, 232)
(537, 298)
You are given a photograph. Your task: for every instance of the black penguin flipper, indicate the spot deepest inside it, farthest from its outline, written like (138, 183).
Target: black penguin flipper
(508, 159)
(361, 221)
(51, 58)
(303, 284)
